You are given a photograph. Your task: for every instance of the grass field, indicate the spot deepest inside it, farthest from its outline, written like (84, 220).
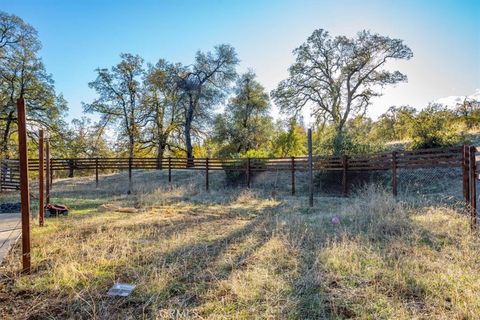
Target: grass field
(244, 254)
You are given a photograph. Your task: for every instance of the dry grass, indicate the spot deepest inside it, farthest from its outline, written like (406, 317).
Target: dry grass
(242, 254)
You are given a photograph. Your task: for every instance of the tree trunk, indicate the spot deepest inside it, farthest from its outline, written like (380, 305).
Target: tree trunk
(131, 146)
(160, 151)
(71, 168)
(130, 155)
(6, 134)
(188, 138)
(338, 141)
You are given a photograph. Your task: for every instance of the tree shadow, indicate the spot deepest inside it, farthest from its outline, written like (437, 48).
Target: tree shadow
(314, 291)
(201, 267)
(199, 270)
(195, 269)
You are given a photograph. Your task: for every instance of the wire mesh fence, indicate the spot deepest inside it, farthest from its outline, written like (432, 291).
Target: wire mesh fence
(434, 187)
(444, 176)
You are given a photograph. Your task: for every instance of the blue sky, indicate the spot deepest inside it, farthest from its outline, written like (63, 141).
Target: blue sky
(79, 36)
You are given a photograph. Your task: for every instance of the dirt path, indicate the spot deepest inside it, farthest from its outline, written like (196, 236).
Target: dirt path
(10, 229)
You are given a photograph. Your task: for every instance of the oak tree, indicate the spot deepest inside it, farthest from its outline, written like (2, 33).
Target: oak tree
(162, 106)
(338, 76)
(23, 75)
(119, 95)
(205, 85)
(245, 124)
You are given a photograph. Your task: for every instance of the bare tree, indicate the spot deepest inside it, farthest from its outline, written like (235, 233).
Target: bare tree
(337, 77)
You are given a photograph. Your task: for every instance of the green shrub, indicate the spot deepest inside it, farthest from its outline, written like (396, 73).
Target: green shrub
(434, 127)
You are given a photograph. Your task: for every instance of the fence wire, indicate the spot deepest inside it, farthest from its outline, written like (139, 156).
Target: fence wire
(434, 186)
(434, 176)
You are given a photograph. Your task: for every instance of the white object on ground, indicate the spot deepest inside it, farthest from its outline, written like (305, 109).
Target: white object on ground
(121, 290)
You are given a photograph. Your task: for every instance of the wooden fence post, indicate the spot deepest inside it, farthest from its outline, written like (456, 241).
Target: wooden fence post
(96, 172)
(129, 175)
(24, 189)
(293, 176)
(344, 175)
(310, 168)
(473, 188)
(206, 174)
(248, 172)
(47, 171)
(41, 176)
(169, 169)
(394, 173)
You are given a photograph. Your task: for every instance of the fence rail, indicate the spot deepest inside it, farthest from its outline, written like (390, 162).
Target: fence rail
(9, 175)
(339, 172)
(447, 157)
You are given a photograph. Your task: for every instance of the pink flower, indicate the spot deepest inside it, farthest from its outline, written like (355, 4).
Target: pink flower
(335, 220)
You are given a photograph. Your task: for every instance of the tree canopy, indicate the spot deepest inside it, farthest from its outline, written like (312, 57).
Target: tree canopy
(245, 124)
(118, 99)
(337, 77)
(205, 85)
(23, 75)
(207, 109)
(162, 106)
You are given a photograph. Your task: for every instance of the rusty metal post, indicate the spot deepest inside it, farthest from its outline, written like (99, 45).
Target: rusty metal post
(344, 175)
(473, 188)
(475, 195)
(47, 171)
(394, 173)
(41, 176)
(206, 174)
(310, 168)
(293, 176)
(248, 172)
(24, 189)
(169, 169)
(51, 172)
(465, 169)
(96, 172)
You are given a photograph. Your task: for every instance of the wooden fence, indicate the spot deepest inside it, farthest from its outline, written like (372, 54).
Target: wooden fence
(9, 175)
(389, 162)
(429, 158)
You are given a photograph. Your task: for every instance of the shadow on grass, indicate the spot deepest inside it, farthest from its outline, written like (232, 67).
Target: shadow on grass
(194, 268)
(198, 271)
(152, 230)
(323, 293)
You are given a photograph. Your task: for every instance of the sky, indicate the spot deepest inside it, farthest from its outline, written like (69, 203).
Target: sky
(79, 36)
